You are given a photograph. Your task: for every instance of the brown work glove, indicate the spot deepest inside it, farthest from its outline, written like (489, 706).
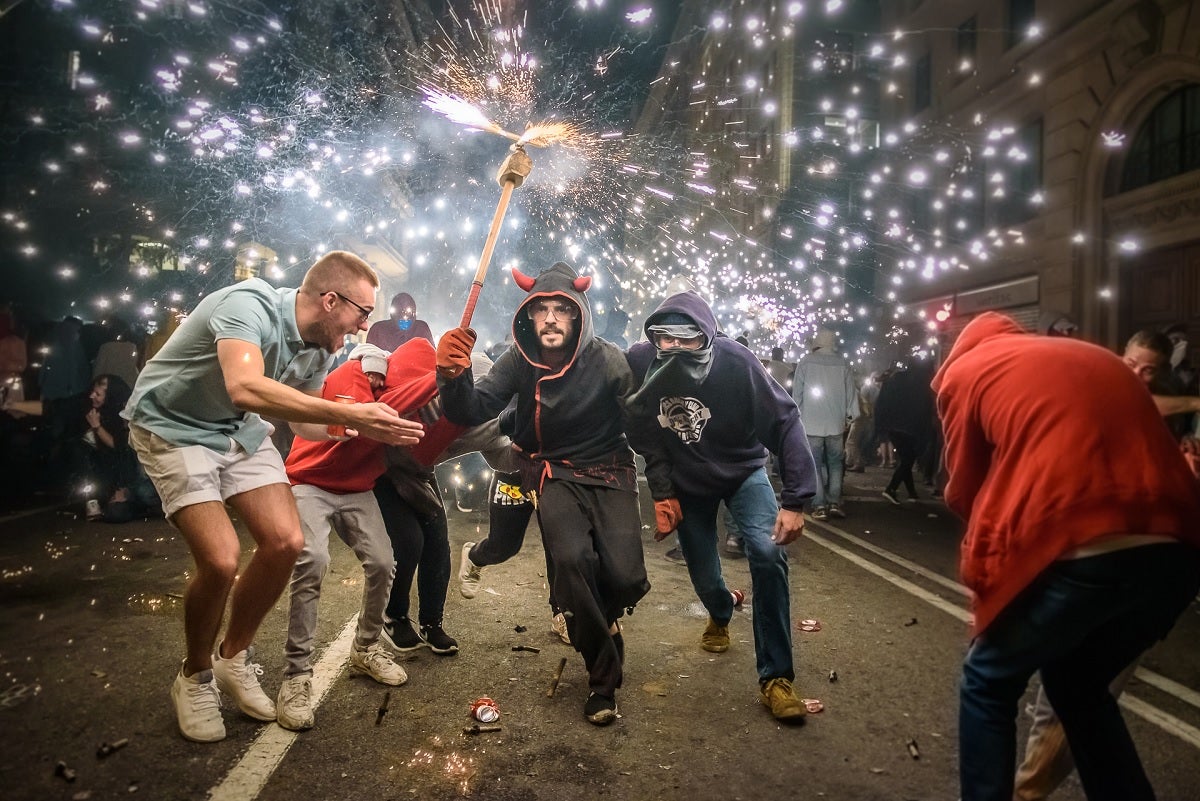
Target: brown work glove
(667, 515)
(454, 352)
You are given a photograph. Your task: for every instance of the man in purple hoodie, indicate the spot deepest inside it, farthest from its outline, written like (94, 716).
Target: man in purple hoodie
(704, 417)
(401, 326)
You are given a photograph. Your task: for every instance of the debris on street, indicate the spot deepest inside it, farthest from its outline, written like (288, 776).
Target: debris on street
(562, 664)
(107, 749)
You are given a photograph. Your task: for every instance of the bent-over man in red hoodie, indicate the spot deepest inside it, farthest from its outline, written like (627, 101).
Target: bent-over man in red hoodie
(332, 482)
(1076, 567)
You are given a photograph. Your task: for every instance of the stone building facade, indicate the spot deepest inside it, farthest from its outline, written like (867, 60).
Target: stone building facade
(1107, 95)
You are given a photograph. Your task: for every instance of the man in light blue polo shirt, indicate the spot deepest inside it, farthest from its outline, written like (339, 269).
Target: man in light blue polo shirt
(196, 422)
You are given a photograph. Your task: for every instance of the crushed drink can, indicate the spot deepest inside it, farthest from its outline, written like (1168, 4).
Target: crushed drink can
(337, 429)
(485, 710)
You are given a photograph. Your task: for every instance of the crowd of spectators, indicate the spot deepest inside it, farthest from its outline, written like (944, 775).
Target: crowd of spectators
(62, 440)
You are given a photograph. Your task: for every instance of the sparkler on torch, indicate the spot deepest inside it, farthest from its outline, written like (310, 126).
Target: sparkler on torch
(513, 172)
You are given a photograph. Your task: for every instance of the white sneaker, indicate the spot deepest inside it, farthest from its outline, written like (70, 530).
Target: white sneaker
(378, 664)
(198, 707)
(469, 573)
(294, 708)
(558, 625)
(237, 677)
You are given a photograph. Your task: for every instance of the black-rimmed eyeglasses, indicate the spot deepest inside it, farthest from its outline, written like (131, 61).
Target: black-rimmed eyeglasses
(363, 312)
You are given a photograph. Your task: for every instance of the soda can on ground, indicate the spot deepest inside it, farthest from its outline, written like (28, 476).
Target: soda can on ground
(485, 710)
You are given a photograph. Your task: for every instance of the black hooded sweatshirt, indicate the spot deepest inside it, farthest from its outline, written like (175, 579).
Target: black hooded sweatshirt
(705, 431)
(569, 420)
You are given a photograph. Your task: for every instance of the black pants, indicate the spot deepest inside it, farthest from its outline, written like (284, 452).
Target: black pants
(421, 546)
(906, 456)
(593, 537)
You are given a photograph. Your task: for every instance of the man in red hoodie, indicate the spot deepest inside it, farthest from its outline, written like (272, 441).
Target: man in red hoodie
(332, 482)
(1075, 568)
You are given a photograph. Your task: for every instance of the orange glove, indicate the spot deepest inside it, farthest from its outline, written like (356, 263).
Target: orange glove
(667, 515)
(454, 352)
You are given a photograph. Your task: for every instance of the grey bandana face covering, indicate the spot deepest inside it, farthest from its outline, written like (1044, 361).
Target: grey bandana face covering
(675, 369)
(684, 331)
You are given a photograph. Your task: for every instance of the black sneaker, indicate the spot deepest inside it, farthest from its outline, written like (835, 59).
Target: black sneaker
(438, 640)
(600, 709)
(400, 635)
(891, 496)
(675, 555)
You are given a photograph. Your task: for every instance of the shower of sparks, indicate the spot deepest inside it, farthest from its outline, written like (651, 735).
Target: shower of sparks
(460, 111)
(210, 162)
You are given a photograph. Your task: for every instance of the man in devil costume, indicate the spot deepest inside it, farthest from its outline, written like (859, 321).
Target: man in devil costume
(570, 388)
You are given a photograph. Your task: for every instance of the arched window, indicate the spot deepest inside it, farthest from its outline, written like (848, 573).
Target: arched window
(1168, 143)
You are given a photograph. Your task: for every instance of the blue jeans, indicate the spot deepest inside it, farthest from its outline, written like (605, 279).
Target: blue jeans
(1079, 623)
(754, 509)
(830, 456)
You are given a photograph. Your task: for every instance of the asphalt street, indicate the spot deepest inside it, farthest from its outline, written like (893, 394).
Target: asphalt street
(91, 637)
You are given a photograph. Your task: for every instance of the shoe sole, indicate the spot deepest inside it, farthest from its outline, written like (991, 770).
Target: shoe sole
(245, 711)
(793, 717)
(388, 639)
(365, 672)
(466, 549)
(290, 726)
(442, 651)
(602, 718)
(715, 649)
(891, 499)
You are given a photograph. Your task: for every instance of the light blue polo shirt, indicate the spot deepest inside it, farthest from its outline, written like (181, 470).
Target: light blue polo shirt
(180, 394)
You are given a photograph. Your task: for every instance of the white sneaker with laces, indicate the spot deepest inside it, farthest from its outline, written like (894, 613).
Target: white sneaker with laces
(198, 707)
(378, 664)
(294, 707)
(237, 677)
(558, 625)
(469, 573)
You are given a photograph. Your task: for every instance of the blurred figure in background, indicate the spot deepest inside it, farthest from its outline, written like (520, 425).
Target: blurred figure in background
(823, 388)
(401, 326)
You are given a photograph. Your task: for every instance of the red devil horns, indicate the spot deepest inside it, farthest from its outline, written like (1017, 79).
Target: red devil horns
(581, 284)
(522, 280)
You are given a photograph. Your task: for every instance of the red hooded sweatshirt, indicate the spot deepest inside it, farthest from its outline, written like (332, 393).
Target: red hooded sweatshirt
(354, 465)
(1051, 443)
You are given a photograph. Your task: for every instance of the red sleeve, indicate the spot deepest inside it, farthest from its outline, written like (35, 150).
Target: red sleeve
(348, 379)
(968, 453)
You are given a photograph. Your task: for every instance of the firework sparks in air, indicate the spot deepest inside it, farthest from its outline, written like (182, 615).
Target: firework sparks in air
(210, 154)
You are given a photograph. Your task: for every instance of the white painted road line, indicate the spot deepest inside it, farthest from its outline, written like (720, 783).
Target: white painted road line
(920, 570)
(1180, 691)
(890, 577)
(1168, 723)
(250, 775)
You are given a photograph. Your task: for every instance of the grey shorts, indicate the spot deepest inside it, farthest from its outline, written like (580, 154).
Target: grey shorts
(185, 475)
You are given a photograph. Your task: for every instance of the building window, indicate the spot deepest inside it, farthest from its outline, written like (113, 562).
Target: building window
(922, 84)
(1168, 142)
(1012, 200)
(966, 39)
(1020, 18)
